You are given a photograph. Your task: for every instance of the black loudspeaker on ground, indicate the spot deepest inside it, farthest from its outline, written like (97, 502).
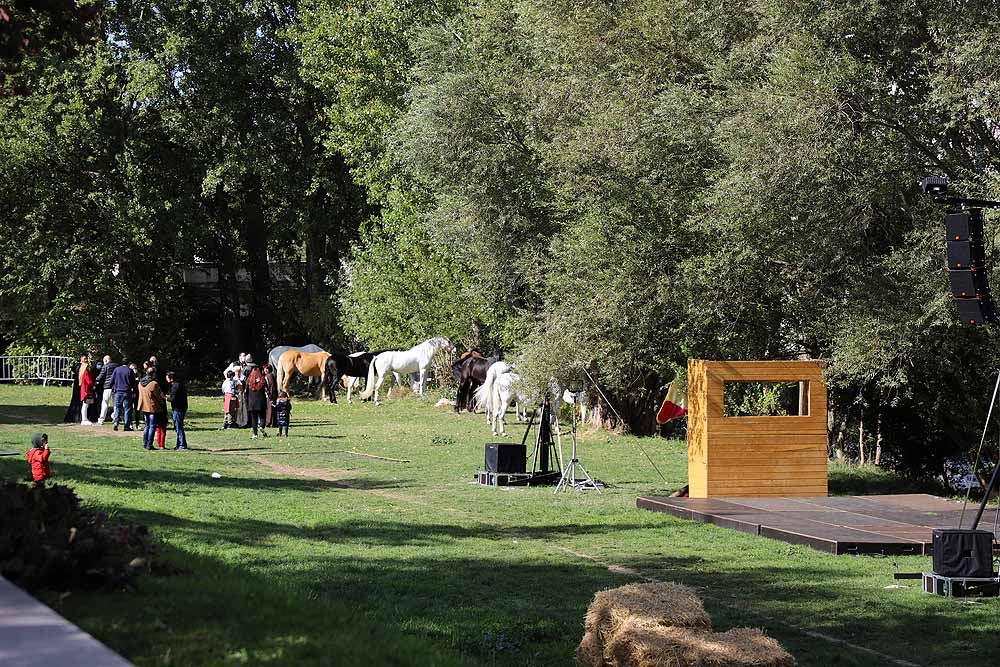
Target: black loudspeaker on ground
(963, 553)
(506, 457)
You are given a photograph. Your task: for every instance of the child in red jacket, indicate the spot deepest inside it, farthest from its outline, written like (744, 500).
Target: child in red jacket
(38, 457)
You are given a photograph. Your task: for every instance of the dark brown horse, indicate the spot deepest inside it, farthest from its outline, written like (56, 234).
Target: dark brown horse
(469, 372)
(351, 366)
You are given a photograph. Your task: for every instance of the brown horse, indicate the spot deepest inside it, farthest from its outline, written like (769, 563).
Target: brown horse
(311, 364)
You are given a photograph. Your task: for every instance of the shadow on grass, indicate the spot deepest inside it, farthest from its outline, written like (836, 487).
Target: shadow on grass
(32, 414)
(389, 607)
(473, 605)
(139, 479)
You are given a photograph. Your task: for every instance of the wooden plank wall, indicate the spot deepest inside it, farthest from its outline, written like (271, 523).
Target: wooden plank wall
(755, 456)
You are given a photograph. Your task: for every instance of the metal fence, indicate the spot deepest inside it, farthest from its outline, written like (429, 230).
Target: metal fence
(36, 368)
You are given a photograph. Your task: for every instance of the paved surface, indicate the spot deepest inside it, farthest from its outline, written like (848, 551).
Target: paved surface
(32, 635)
(897, 524)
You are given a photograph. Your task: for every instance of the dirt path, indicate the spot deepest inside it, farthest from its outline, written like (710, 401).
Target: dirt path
(338, 478)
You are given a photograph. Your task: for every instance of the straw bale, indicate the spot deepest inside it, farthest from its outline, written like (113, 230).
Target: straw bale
(639, 644)
(666, 603)
(588, 653)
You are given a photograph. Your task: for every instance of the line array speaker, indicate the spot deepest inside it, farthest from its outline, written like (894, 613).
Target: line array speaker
(967, 267)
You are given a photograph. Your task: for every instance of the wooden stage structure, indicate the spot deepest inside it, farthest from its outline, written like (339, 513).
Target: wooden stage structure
(756, 456)
(891, 525)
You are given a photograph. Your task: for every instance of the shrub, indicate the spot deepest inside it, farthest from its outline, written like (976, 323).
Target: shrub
(49, 542)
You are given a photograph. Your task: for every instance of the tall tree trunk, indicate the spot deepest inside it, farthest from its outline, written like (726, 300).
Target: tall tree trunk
(261, 322)
(861, 437)
(229, 298)
(878, 436)
(229, 295)
(838, 427)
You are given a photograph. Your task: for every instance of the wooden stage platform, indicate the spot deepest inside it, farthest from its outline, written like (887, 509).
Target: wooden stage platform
(899, 524)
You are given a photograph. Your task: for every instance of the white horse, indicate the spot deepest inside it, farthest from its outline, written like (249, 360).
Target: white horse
(502, 386)
(412, 362)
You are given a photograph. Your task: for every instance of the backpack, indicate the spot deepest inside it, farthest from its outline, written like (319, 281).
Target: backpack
(256, 380)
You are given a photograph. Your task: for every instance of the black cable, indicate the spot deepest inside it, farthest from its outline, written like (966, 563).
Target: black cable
(651, 462)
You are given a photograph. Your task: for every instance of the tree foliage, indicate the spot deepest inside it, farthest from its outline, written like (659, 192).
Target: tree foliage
(609, 187)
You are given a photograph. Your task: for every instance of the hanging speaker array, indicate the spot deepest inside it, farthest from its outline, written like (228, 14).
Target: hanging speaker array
(967, 267)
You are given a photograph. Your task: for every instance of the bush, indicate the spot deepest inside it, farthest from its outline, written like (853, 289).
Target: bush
(49, 542)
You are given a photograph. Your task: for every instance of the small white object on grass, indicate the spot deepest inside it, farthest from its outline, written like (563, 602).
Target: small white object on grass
(216, 475)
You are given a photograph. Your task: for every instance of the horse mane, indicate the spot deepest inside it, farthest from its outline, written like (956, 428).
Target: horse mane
(472, 353)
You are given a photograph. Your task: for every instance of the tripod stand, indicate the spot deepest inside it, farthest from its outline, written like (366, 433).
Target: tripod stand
(546, 449)
(569, 477)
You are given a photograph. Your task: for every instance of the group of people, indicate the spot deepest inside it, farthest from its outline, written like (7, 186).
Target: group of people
(251, 398)
(136, 399)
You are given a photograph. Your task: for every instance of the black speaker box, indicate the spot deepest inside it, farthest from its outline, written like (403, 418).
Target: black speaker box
(967, 283)
(506, 457)
(963, 553)
(966, 254)
(976, 311)
(965, 225)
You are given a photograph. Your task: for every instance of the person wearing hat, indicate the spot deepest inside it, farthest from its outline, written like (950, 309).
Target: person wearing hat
(38, 457)
(240, 372)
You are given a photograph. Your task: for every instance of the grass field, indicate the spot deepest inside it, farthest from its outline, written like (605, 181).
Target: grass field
(304, 552)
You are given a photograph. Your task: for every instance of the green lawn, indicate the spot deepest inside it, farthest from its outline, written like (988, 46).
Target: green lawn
(305, 553)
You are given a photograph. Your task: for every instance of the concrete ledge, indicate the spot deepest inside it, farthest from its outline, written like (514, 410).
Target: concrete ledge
(32, 635)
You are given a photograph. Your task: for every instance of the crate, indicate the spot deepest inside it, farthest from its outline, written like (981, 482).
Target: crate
(961, 587)
(487, 478)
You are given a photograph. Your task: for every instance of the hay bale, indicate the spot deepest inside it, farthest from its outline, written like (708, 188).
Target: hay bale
(588, 653)
(665, 604)
(640, 644)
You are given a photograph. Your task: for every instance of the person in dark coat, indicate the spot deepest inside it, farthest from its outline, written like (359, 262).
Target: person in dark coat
(179, 404)
(283, 413)
(103, 383)
(73, 411)
(122, 381)
(256, 393)
(137, 418)
(272, 393)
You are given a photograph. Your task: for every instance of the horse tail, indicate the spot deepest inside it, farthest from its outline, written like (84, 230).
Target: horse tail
(484, 394)
(370, 385)
(281, 374)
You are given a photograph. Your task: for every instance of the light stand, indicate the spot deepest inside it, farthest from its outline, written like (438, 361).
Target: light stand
(569, 479)
(546, 449)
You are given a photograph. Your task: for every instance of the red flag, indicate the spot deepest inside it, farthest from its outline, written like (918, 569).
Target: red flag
(673, 406)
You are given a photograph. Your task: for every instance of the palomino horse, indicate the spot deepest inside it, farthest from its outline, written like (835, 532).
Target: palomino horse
(500, 388)
(276, 352)
(310, 364)
(412, 362)
(470, 372)
(352, 367)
